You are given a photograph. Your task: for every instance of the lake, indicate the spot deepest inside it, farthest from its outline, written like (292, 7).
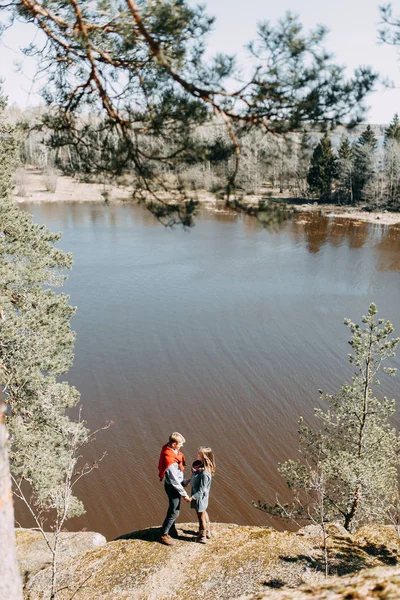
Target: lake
(224, 332)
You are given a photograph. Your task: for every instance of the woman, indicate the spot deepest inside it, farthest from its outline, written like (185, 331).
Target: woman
(203, 470)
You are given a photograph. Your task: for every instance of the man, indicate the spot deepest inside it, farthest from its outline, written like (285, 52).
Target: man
(170, 468)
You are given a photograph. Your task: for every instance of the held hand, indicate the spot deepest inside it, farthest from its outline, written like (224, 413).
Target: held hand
(187, 499)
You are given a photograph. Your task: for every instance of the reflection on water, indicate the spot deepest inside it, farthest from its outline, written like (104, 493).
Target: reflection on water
(318, 229)
(316, 232)
(389, 245)
(313, 228)
(224, 332)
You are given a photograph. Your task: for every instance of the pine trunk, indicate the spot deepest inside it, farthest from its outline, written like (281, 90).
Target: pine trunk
(10, 581)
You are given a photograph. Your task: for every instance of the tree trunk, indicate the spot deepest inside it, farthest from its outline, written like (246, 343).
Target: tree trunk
(10, 581)
(348, 520)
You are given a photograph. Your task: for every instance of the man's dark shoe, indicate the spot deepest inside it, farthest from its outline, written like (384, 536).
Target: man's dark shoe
(167, 540)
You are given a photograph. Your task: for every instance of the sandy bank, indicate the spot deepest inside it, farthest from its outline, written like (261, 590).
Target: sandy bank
(32, 187)
(350, 212)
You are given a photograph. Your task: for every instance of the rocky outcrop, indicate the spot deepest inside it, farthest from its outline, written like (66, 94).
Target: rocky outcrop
(34, 555)
(371, 584)
(238, 561)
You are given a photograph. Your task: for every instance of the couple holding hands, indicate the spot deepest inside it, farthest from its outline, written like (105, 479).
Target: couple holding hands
(171, 469)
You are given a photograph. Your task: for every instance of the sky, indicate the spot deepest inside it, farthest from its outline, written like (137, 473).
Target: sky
(353, 38)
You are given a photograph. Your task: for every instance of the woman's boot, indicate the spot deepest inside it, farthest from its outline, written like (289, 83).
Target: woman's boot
(208, 527)
(202, 538)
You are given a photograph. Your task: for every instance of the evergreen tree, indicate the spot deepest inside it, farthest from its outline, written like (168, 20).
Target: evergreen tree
(345, 150)
(392, 131)
(345, 171)
(355, 448)
(10, 583)
(365, 167)
(323, 169)
(368, 138)
(36, 346)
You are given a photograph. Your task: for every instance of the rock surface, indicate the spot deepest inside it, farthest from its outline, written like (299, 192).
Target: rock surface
(238, 561)
(33, 554)
(377, 584)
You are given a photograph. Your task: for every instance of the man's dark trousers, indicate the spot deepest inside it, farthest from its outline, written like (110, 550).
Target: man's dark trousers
(174, 499)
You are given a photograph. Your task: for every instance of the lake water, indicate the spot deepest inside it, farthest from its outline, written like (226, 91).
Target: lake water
(224, 332)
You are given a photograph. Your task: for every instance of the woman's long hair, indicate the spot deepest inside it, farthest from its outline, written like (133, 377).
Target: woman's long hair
(208, 459)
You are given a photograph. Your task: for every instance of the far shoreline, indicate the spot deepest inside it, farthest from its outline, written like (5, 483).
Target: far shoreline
(71, 190)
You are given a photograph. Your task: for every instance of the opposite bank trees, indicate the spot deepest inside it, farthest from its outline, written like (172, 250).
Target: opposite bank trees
(36, 346)
(348, 470)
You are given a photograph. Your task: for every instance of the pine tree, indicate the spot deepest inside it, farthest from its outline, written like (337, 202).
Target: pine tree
(368, 138)
(356, 447)
(10, 583)
(163, 87)
(392, 131)
(36, 347)
(323, 169)
(345, 171)
(365, 167)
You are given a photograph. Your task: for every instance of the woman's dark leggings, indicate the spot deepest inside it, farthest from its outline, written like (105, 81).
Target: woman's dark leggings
(174, 499)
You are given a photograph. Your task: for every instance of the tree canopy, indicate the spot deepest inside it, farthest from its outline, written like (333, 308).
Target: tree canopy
(36, 346)
(392, 131)
(323, 168)
(138, 69)
(364, 161)
(10, 582)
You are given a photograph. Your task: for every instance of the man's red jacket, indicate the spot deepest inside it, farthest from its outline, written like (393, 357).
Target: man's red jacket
(167, 458)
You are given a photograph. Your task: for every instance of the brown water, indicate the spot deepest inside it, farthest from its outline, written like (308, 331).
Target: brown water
(224, 333)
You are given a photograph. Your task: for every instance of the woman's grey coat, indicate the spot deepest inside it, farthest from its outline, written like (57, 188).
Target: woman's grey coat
(201, 484)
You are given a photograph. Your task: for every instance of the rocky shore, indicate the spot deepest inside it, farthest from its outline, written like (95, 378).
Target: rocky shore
(239, 561)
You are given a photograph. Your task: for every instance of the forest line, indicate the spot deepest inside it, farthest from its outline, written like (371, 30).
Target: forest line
(359, 167)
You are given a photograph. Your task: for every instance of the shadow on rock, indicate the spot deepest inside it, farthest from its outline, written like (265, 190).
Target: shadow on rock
(152, 534)
(346, 557)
